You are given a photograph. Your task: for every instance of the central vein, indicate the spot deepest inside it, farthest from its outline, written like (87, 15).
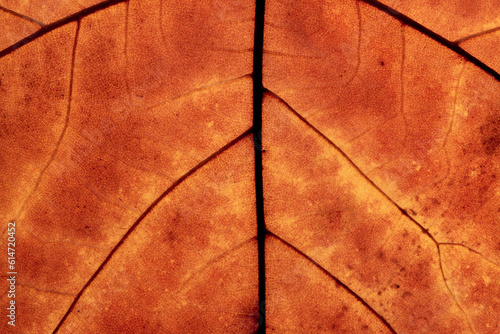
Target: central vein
(258, 91)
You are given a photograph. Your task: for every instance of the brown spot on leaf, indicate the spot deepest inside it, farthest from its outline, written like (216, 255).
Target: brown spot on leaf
(490, 134)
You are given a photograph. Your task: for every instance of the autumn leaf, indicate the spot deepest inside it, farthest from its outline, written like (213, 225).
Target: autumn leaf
(230, 167)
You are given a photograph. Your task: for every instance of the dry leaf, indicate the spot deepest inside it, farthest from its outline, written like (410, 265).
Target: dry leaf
(131, 166)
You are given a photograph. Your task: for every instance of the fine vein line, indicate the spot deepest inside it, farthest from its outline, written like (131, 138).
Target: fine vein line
(477, 34)
(22, 16)
(472, 250)
(216, 259)
(65, 126)
(45, 290)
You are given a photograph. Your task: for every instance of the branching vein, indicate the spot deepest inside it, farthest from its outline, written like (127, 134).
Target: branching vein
(22, 16)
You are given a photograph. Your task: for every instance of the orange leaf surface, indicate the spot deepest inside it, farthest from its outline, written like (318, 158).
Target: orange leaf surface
(225, 167)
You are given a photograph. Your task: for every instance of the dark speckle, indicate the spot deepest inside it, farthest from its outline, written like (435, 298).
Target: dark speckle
(382, 63)
(490, 134)
(380, 255)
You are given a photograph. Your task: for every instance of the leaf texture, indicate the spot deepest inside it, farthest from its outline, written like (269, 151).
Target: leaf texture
(132, 136)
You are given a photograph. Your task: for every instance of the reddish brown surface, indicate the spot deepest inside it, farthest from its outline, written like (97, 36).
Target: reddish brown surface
(319, 304)
(451, 19)
(21, 18)
(317, 201)
(176, 271)
(486, 47)
(472, 24)
(46, 11)
(14, 28)
(418, 121)
(99, 118)
(128, 166)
